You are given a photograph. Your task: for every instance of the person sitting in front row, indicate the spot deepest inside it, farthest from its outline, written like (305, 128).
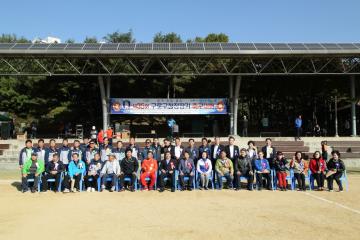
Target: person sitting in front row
(336, 168)
(111, 169)
(204, 168)
(149, 168)
(167, 170)
(243, 168)
(224, 168)
(93, 174)
(186, 169)
(77, 169)
(262, 169)
(32, 169)
(53, 171)
(129, 167)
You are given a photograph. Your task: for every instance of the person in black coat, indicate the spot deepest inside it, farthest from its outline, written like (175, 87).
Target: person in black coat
(336, 169)
(243, 168)
(232, 151)
(269, 152)
(53, 171)
(129, 167)
(167, 170)
(168, 148)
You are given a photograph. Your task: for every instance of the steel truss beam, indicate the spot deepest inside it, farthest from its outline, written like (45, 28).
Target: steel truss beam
(32, 65)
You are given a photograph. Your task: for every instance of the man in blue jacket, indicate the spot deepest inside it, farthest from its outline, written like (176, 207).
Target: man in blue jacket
(262, 169)
(298, 127)
(64, 153)
(50, 151)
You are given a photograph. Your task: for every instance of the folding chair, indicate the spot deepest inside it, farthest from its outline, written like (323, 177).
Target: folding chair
(29, 180)
(128, 179)
(198, 179)
(289, 180)
(222, 181)
(52, 180)
(307, 179)
(343, 179)
(178, 186)
(148, 179)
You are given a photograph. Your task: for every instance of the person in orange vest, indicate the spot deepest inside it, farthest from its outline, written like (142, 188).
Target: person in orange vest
(109, 134)
(149, 168)
(100, 137)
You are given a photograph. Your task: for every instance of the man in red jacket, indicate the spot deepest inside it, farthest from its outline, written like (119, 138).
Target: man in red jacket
(149, 167)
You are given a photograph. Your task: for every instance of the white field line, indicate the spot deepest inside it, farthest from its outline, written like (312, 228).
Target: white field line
(332, 202)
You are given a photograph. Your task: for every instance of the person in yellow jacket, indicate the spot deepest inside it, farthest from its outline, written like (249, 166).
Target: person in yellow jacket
(32, 170)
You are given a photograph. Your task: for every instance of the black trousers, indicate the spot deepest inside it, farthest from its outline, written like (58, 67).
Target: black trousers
(93, 183)
(298, 132)
(131, 176)
(259, 180)
(250, 180)
(45, 183)
(336, 176)
(300, 178)
(25, 185)
(319, 177)
(189, 182)
(171, 179)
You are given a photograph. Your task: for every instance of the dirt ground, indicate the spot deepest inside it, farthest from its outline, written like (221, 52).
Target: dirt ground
(181, 215)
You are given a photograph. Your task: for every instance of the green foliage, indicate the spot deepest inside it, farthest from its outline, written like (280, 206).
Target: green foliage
(167, 38)
(119, 37)
(212, 37)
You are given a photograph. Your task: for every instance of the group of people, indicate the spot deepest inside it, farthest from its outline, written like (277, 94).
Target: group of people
(120, 167)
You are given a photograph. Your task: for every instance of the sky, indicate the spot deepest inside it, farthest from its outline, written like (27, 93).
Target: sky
(242, 21)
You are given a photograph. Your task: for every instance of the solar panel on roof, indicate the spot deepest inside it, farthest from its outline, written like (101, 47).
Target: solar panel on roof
(331, 46)
(229, 46)
(75, 46)
(212, 46)
(21, 46)
(280, 46)
(195, 46)
(126, 46)
(57, 46)
(109, 46)
(297, 46)
(357, 45)
(92, 46)
(263, 46)
(246, 46)
(178, 46)
(143, 46)
(314, 46)
(161, 46)
(40, 46)
(347, 46)
(6, 45)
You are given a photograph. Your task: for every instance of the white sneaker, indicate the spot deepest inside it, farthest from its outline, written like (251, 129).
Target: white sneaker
(66, 190)
(88, 189)
(93, 189)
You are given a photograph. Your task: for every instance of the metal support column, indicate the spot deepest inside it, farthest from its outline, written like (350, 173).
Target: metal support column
(353, 106)
(236, 103)
(103, 102)
(231, 97)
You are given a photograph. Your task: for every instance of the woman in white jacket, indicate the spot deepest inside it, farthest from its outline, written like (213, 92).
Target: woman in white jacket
(204, 168)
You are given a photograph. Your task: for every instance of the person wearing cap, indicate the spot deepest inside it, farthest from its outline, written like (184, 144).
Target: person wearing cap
(76, 171)
(146, 149)
(224, 168)
(186, 169)
(204, 168)
(53, 171)
(93, 173)
(262, 169)
(243, 168)
(32, 169)
(167, 170)
(149, 168)
(129, 167)
(281, 167)
(90, 152)
(105, 150)
(111, 169)
(26, 152)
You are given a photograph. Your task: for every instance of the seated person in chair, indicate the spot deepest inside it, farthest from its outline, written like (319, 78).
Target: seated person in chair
(93, 173)
(262, 170)
(186, 169)
(53, 171)
(243, 168)
(149, 168)
(336, 168)
(129, 167)
(77, 169)
(224, 168)
(111, 169)
(167, 170)
(204, 168)
(32, 169)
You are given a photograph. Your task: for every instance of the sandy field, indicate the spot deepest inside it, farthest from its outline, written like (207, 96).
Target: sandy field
(181, 215)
